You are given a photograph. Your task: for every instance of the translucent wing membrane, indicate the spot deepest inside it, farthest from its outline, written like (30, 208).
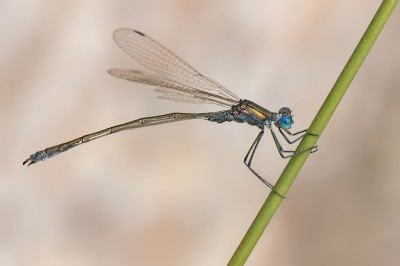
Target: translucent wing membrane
(172, 90)
(182, 81)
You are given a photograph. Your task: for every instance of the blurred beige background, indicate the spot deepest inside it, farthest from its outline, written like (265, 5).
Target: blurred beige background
(179, 194)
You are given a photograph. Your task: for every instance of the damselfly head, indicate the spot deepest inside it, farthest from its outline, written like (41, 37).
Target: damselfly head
(286, 121)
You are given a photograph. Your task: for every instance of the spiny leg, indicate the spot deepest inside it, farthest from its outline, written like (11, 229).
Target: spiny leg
(253, 148)
(281, 150)
(294, 134)
(251, 152)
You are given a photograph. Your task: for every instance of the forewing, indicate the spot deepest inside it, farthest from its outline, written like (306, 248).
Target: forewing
(160, 59)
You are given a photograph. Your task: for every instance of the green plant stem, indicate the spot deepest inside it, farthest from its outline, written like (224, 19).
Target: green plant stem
(317, 126)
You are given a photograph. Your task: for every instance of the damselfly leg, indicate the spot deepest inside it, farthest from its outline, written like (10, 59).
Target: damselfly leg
(294, 134)
(293, 153)
(247, 161)
(250, 154)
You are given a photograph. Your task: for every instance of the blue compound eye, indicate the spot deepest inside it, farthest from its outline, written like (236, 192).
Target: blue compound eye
(286, 122)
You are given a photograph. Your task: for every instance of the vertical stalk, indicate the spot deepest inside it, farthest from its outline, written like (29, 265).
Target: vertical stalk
(317, 126)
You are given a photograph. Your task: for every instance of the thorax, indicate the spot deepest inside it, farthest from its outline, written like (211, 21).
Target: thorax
(251, 113)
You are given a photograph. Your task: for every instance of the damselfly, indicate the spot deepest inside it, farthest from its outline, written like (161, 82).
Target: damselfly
(177, 80)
